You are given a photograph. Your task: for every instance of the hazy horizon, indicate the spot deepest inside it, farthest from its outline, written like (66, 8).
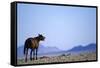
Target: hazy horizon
(63, 26)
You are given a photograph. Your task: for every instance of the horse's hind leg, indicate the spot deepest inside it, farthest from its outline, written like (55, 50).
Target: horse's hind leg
(31, 54)
(26, 55)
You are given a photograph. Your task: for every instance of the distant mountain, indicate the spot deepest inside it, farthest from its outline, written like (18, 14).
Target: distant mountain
(44, 50)
(80, 48)
(20, 52)
(41, 50)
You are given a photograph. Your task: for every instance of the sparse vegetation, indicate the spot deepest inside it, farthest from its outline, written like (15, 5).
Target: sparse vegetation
(61, 58)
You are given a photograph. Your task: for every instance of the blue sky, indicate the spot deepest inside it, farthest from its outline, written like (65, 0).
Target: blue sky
(63, 26)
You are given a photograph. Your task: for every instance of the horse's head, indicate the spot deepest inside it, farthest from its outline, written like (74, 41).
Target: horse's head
(41, 37)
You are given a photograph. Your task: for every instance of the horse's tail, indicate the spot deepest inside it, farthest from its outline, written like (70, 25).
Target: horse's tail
(24, 49)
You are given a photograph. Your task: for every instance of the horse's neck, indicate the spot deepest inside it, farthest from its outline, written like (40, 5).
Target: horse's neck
(38, 40)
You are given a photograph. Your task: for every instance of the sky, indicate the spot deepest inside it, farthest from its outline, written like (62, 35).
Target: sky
(63, 26)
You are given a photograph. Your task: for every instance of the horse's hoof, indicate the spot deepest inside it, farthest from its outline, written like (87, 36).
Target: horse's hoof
(31, 59)
(25, 60)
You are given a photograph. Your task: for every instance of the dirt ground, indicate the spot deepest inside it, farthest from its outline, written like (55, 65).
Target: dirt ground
(60, 58)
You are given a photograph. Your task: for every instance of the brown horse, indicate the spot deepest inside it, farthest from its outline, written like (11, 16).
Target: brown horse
(33, 44)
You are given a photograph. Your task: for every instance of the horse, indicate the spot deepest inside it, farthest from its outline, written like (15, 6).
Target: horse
(33, 44)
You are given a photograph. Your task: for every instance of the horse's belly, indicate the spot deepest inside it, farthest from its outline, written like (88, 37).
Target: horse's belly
(35, 46)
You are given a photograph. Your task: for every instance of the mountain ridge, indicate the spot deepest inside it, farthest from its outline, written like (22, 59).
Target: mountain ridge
(49, 50)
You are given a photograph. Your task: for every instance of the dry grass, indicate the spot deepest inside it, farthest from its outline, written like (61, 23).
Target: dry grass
(61, 58)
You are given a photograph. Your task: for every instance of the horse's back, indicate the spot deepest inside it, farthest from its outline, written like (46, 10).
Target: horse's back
(31, 43)
(28, 42)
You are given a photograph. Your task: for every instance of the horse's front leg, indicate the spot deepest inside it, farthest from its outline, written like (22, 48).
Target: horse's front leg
(31, 54)
(36, 52)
